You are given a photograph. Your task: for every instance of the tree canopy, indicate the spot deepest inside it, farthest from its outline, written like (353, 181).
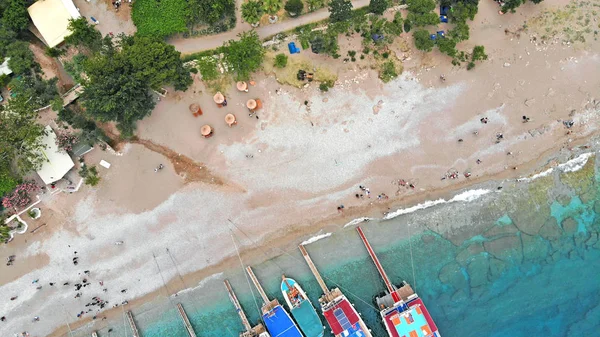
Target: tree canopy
(271, 7)
(252, 11)
(20, 142)
(119, 79)
(15, 16)
(83, 34)
(422, 40)
(21, 57)
(294, 6)
(244, 55)
(378, 6)
(340, 10)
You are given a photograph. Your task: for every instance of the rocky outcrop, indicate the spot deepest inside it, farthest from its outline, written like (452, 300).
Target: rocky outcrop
(550, 230)
(535, 248)
(507, 248)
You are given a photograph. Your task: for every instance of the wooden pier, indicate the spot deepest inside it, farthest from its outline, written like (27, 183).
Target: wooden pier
(250, 331)
(186, 321)
(132, 324)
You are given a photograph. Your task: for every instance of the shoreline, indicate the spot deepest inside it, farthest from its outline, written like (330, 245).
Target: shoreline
(277, 244)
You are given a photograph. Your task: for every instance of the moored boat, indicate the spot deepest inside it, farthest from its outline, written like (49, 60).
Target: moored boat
(402, 311)
(278, 321)
(301, 308)
(249, 330)
(340, 314)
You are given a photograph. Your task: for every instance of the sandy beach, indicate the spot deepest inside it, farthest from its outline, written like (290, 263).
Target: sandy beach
(280, 179)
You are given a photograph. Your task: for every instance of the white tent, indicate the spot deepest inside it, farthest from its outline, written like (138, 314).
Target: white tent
(4, 69)
(51, 18)
(57, 162)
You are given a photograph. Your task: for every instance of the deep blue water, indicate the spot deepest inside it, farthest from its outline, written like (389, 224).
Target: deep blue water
(521, 262)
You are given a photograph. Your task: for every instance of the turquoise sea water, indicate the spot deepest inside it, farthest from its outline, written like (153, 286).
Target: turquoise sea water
(524, 261)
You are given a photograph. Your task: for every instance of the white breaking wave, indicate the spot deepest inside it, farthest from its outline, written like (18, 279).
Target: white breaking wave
(316, 238)
(572, 165)
(465, 196)
(200, 284)
(357, 221)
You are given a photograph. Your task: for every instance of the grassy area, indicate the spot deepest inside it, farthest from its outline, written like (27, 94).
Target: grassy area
(160, 18)
(288, 74)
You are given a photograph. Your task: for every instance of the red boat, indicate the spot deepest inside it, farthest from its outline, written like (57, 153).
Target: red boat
(402, 311)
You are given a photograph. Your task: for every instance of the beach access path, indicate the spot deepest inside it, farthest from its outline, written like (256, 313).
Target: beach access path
(207, 42)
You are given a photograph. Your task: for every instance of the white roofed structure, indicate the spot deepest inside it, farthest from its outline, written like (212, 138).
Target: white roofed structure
(56, 161)
(51, 18)
(4, 69)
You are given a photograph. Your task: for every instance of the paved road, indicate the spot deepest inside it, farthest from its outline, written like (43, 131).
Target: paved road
(192, 45)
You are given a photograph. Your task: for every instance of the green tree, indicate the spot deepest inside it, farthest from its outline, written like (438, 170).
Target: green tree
(340, 10)
(536, 1)
(252, 11)
(460, 32)
(8, 181)
(208, 68)
(447, 46)
(478, 54)
(113, 92)
(462, 11)
(394, 27)
(155, 62)
(244, 55)
(281, 60)
(40, 92)
(20, 143)
(420, 13)
(15, 16)
(7, 37)
(271, 7)
(422, 40)
(378, 6)
(83, 34)
(315, 4)
(294, 7)
(510, 5)
(21, 58)
(388, 71)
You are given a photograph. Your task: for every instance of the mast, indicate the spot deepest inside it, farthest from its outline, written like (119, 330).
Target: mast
(314, 270)
(238, 307)
(257, 285)
(390, 287)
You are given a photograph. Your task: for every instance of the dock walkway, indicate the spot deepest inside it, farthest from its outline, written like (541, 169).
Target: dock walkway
(132, 324)
(186, 321)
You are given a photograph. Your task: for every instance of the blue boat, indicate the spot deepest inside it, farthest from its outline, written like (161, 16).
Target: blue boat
(278, 321)
(301, 308)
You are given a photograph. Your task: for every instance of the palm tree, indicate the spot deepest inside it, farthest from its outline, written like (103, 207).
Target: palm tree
(252, 11)
(272, 7)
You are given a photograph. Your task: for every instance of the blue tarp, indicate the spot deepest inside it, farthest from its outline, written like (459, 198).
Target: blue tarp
(377, 37)
(444, 10)
(293, 49)
(441, 34)
(433, 37)
(443, 19)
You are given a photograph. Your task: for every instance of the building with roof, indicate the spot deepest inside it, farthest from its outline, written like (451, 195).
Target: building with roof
(51, 18)
(56, 161)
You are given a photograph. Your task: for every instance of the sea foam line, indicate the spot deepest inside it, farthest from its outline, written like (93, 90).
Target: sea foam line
(572, 165)
(465, 196)
(200, 284)
(316, 238)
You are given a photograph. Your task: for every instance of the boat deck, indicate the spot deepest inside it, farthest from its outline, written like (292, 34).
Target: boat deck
(410, 320)
(343, 318)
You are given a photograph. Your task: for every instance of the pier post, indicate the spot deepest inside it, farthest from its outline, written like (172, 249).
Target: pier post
(94, 334)
(257, 285)
(186, 321)
(314, 270)
(132, 324)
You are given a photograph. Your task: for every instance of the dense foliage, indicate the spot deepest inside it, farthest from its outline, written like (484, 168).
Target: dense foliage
(420, 13)
(83, 34)
(252, 11)
(160, 18)
(340, 10)
(21, 57)
(40, 92)
(271, 7)
(120, 77)
(208, 68)
(20, 142)
(388, 71)
(15, 16)
(8, 180)
(294, 7)
(315, 4)
(244, 55)
(281, 60)
(378, 6)
(422, 40)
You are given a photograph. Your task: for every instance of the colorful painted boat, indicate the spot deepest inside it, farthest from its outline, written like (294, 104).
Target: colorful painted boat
(301, 308)
(278, 321)
(403, 312)
(340, 314)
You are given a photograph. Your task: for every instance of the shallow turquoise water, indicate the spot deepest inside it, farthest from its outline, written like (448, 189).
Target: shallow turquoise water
(523, 262)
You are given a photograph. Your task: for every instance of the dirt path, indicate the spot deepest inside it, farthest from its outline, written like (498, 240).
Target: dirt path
(193, 45)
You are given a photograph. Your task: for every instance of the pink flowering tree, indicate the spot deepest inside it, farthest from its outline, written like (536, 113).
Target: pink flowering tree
(21, 196)
(65, 140)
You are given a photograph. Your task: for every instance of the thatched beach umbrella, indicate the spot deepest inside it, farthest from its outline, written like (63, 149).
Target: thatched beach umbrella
(195, 109)
(206, 131)
(251, 104)
(242, 86)
(219, 98)
(230, 120)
